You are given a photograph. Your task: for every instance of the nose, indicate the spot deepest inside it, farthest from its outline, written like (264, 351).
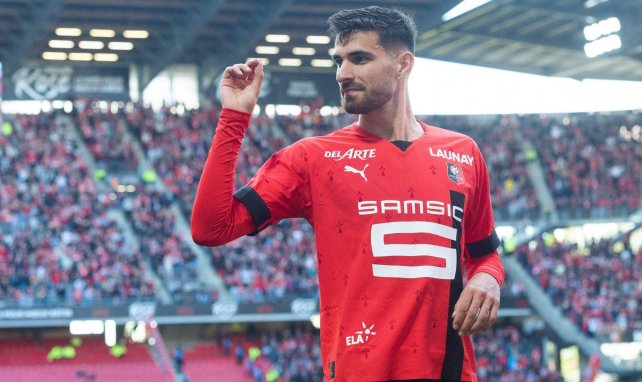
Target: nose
(344, 72)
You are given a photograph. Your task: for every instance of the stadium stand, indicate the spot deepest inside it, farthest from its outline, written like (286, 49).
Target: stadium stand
(280, 262)
(573, 278)
(26, 360)
(101, 131)
(592, 161)
(58, 245)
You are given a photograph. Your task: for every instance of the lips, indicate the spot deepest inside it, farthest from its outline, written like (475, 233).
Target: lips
(349, 90)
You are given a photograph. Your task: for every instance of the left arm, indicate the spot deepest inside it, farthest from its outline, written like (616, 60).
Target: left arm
(477, 306)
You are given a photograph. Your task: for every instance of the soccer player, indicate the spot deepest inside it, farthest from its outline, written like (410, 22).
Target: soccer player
(401, 212)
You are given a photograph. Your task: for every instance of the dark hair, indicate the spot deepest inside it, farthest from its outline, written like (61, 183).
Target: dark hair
(394, 27)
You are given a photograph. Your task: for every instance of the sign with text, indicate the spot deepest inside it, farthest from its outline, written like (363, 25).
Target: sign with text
(62, 82)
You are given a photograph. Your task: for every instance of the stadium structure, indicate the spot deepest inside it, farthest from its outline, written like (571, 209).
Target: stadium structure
(108, 111)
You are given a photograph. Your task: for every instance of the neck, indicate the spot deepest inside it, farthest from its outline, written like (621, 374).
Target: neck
(393, 121)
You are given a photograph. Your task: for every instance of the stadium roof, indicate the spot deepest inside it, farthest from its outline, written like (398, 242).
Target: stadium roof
(535, 36)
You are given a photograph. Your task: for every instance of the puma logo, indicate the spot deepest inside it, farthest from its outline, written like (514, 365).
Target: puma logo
(354, 170)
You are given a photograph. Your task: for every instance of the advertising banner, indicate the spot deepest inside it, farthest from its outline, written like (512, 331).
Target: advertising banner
(65, 82)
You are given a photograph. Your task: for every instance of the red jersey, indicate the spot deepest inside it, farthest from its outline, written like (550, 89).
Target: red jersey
(393, 228)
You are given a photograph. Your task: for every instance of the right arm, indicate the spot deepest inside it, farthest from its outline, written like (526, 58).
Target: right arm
(217, 217)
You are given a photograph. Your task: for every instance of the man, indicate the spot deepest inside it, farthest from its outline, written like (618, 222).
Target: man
(397, 207)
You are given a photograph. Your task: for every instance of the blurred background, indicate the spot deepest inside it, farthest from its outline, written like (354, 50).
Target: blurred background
(108, 111)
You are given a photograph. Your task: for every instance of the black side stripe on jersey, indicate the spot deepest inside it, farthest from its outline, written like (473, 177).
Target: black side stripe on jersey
(484, 246)
(453, 363)
(255, 206)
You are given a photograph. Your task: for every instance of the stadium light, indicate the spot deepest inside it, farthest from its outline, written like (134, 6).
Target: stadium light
(593, 3)
(77, 56)
(290, 62)
(105, 33)
(317, 39)
(68, 31)
(602, 45)
(262, 49)
(56, 56)
(120, 45)
(94, 45)
(464, 7)
(301, 51)
(322, 63)
(110, 333)
(277, 38)
(602, 28)
(106, 57)
(85, 327)
(61, 44)
(130, 33)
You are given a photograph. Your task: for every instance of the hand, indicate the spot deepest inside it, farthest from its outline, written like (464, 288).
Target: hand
(241, 84)
(476, 309)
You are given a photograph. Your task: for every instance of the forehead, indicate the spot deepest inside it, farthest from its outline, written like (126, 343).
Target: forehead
(360, 40)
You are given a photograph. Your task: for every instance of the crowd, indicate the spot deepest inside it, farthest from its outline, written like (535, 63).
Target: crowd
(596, 287)
(512, 192)
(169, 255)
(591, 161)
(282, 259)
(101, 131)
(57, 244)
(295, 353)
(505, 353)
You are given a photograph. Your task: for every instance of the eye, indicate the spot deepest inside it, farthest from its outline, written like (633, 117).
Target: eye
(359, 59)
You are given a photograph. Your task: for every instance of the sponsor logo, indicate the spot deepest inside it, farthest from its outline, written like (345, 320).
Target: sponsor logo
(455, 174)
(225, 308)
(142, 310)
(382, 248)
(451, 155)
(351, 154)
(354, 170)
(303, 307)
(406, 207)
(36, 314)
(361, 336)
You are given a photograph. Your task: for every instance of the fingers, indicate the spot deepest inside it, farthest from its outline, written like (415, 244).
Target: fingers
(475, 311)
(470, 314)
(461, 307)
(240, 72)
(257, 68)
(483, 320)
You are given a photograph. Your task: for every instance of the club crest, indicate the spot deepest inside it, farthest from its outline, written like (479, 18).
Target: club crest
(455, 174)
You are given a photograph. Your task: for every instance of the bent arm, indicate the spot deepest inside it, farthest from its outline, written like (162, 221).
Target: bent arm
(482, 256)
(217, 217)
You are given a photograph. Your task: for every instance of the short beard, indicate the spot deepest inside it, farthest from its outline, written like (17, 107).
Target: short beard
(370, 103)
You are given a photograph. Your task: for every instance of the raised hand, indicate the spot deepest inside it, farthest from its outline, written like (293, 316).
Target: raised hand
(240, 85)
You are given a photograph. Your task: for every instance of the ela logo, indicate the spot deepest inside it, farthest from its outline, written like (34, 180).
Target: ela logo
(361, 336)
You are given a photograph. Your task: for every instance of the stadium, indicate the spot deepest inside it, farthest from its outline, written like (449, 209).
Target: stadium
(108, 112)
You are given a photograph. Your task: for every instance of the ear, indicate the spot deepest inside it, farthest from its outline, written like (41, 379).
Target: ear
(405, 62)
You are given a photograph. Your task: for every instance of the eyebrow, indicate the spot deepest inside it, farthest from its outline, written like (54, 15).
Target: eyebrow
(335, 57)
